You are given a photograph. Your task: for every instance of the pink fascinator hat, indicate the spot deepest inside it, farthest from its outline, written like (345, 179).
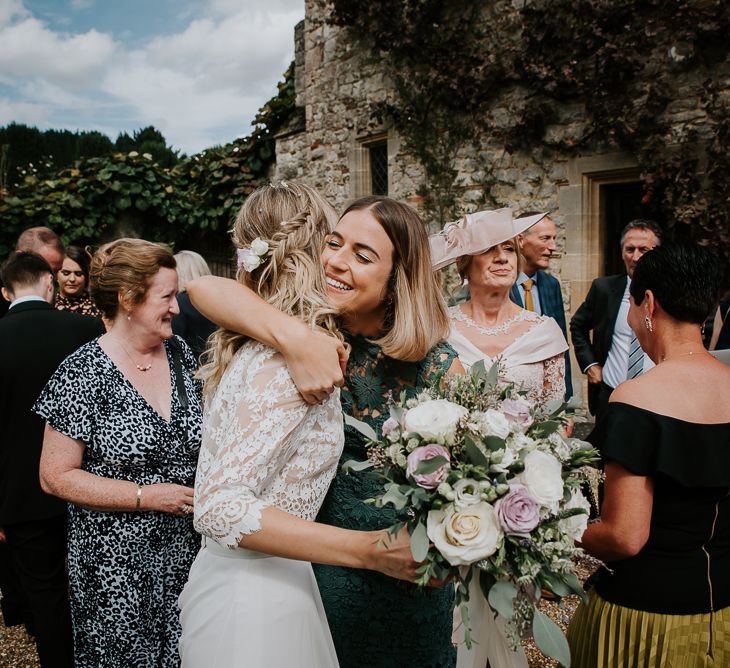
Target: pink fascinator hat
(476, 233)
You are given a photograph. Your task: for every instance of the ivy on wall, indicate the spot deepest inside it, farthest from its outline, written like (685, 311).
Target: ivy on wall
(101, 197)
(626, 64)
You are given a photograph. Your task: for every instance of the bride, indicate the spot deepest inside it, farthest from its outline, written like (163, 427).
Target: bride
(528, 347)
(266, 462)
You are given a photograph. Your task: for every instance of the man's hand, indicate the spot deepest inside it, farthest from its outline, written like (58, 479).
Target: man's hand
(595, 374)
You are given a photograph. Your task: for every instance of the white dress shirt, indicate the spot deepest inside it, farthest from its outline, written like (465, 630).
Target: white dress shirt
(617, 362)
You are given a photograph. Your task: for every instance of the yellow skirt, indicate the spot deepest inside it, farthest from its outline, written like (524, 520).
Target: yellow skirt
(605, 635)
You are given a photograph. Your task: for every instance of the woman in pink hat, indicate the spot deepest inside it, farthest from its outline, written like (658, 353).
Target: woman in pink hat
(488, 326)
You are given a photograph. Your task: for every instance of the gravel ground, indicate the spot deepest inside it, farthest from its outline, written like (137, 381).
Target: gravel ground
(17, 649)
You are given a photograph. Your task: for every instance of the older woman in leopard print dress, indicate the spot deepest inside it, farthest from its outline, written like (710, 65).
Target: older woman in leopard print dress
(121, 445)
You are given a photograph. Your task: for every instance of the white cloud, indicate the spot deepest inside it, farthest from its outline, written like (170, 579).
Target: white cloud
(200, 86)
(30, 49)
(30, 113)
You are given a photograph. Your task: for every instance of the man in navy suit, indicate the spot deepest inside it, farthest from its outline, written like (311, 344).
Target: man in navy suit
(535, 289)
(34, 339)
(602, 338)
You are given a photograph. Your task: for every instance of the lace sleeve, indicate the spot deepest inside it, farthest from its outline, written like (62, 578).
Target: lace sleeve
(246, 438)
(553, 384)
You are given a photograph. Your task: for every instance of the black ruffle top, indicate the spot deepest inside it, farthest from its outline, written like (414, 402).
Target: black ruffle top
(684, 568)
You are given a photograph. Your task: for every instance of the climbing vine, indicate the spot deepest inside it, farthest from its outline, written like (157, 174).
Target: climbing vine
(651, 77)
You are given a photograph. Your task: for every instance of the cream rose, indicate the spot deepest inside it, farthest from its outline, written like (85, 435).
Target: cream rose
(494, 423)
(464, 536)
(543, 477)
(575, 526)
(435, 419)
(468, 492)
(259, 246)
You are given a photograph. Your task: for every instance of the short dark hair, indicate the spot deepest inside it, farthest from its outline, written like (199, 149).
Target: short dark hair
(23, 269)
(685, 279)
(642, 224)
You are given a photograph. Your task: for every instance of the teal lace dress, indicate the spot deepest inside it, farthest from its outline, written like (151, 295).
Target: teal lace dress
(377, 621)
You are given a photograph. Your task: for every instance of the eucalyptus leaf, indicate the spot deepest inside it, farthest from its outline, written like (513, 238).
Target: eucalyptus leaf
(354, 465)
(501, 598)
(427, 466)
(494, 443)
(478, 371)
(364, 428)
(396, 412)
(555, 407)
(473, 452)
(419, 542)
(395, 496)
(544, 429)
(550, 639)
(493, 374)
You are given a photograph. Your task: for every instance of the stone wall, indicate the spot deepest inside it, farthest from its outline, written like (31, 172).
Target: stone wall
(339, 86)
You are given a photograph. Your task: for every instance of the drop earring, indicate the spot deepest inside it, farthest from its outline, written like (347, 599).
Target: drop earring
(648, 323)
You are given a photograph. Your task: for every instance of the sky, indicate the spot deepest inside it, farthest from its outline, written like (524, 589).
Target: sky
(198, 70)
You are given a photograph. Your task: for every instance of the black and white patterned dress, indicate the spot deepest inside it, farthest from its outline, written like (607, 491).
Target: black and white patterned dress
(126, 569)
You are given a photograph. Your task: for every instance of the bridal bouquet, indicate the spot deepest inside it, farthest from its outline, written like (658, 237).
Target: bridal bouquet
(490, 492)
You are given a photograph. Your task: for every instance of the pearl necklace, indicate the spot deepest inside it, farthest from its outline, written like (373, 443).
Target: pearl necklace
(138, 367)
(503, 328)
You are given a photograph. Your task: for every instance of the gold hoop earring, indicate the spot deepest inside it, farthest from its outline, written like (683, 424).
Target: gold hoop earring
(648, 323)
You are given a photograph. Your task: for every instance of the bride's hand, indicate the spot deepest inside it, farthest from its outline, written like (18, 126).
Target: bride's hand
(316, 363)
(392, 555)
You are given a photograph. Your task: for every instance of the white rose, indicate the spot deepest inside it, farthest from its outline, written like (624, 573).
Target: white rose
(543, 477)
(467, 492)
(518, 442)
(251, 262)
(435, 419)
(559, 446)
(503, 459)
(464, 536)
(494, 423)
(259, 246)
(575, 526)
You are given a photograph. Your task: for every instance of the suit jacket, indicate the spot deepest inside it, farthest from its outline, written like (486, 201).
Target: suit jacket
(34, 339)
(192, 325)
(597, 314)
(551, 303)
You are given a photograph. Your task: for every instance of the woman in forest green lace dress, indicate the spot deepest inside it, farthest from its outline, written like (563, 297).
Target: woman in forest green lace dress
(378, 273)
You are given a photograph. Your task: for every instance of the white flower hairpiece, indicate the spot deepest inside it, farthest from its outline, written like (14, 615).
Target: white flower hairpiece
(252, 257)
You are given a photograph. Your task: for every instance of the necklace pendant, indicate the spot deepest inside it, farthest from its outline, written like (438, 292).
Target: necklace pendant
(143, 368)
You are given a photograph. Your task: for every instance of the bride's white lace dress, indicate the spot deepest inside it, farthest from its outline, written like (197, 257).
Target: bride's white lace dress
(534, 361)
(262, 447)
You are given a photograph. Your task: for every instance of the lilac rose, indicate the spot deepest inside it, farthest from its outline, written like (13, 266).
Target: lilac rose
(389, 426)
(518, 511)
(424, 453)
(517, 410)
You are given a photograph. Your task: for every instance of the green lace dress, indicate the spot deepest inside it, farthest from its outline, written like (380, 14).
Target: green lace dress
(377, 621)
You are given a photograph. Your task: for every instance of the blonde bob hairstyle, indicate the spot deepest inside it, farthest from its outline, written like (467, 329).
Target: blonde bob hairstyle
(416, 318)
(294, 220)
(121, 271)
(464, 262)
(190, 265)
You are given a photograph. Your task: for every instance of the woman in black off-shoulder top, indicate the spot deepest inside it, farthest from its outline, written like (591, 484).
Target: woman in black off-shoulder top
(663, 598)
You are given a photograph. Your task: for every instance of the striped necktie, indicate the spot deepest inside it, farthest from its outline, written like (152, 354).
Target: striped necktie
(636, 359)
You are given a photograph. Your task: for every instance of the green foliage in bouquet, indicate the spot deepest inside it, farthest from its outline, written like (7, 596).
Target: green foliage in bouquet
(489, 489)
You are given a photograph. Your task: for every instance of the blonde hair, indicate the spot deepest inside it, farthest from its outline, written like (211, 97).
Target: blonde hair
(464, 262)
(122, 270)
(294, 220)
(416, 318)
(190, 265)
